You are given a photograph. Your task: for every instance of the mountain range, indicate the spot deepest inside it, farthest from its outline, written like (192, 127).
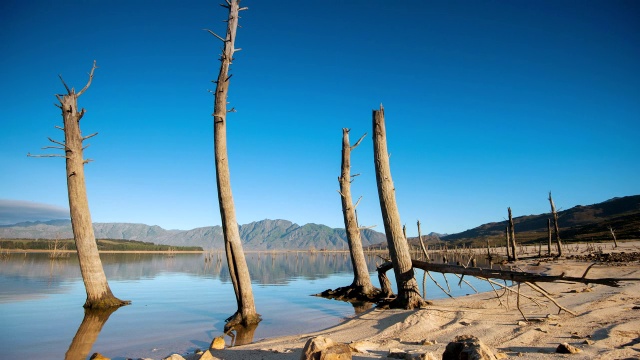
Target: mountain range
(589, 222)
(259, 235)
(580, 222)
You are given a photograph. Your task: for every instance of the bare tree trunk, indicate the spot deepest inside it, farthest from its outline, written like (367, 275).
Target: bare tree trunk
(238, 269)
(613, 234)
(408, 292)
(555, 224)
(549, 236)
(506, 248)
(512, 235)
(242, 335)
(99, 294)
(424, 249)
(361, 281)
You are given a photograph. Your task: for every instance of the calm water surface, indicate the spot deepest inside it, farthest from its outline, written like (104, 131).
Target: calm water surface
(179, 303)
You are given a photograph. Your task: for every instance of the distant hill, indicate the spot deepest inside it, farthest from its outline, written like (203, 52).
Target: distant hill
(259, 235)
(589, 222)
(578, 223)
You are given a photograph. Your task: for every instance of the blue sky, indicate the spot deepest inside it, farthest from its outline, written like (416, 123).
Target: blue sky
(488, 104)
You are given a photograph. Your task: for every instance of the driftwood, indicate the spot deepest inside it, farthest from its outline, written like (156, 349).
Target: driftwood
(484, 273)
(530, 279)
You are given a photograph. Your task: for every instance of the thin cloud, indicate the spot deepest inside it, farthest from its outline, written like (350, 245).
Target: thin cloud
(15, 211)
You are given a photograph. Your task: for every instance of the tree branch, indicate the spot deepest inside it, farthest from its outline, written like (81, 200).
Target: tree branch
(89, 136)
(58, 127)
(507, 275)
(52, 147)
(46, 155)
(541, 291)
(357, 202)
(216, 35)
(367, 227)
(358, 142)
(90, 78)
(65, 84)
(81, 114)
(59, 143)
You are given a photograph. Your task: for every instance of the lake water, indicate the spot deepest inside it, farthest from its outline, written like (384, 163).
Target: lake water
(179, 302)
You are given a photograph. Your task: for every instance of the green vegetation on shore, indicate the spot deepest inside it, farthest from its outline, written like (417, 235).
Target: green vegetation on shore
(103, 245)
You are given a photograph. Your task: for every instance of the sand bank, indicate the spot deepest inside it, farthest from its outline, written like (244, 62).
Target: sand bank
(607, 325)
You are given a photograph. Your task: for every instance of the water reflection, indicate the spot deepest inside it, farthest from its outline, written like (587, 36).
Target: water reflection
(172, 301)
(87, 333)
(360, 307)
(241, 335)
(265, 268)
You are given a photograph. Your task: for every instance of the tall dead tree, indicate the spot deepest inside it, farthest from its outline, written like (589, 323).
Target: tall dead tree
(424, 249)
(512, 236)
(613, 234)
(238, 270)
(408, 291)
(555, 225)
(549, 236)
(99, 295)
(361, 280)
(508, 244)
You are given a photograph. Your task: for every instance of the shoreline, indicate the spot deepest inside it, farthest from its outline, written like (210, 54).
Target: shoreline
(608, 317)
(607, 325)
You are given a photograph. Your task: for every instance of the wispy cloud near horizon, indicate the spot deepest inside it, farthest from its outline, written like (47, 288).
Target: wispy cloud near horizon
(15, 211)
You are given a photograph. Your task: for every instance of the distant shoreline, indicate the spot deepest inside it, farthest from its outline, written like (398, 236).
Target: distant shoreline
(45, 251)
(173, 251)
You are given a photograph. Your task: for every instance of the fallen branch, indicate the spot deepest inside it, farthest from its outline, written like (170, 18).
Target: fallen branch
(505, 274)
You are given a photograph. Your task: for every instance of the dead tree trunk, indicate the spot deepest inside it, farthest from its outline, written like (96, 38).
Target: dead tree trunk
(555, 224)
(99, 294)
(508, 244)
(361, 280)
(613, 234)
(424, 249)
(246, 314)
(512, 236)
(506, 274)
(549, 236)
(408, 291)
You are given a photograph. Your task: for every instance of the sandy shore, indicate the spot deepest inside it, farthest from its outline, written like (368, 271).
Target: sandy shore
(607, 325)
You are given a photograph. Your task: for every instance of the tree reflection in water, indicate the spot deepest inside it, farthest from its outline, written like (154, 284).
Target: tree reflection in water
(361, 306)
(241, 334)
(87, 334)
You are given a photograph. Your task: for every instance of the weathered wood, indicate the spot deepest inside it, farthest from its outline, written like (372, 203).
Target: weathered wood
(246, 314)
(408, 291)
(99, 295)
(504, 274)
(508, 243)
(549, 236)
(385, 284)
(555, 224)
(361, 279)
(613, 234)
(424, 249)
(512, 236)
